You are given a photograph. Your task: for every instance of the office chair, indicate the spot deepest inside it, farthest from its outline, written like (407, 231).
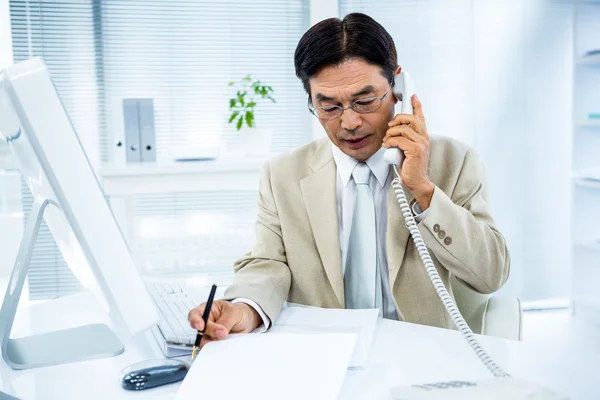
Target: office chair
(489, 315)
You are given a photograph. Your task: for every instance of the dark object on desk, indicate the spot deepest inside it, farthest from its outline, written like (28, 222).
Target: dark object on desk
(153, 373)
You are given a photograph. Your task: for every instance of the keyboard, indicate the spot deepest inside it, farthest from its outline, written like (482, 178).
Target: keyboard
(173, 332)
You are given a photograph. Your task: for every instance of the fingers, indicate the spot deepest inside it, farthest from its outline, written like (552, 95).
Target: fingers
(212, 329)
(405, 131)
(417, 108)
(398, 141)
(215, 330)
(195, 317)
(224, 316)
(415, 120)
(404, 119)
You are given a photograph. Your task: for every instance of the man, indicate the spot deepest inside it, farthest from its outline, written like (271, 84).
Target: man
(329, 231)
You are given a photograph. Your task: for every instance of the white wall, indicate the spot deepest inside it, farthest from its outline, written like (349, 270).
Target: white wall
(497, 76)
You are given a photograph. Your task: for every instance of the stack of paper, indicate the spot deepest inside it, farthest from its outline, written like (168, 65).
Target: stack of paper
(303, 319)
(270, 366)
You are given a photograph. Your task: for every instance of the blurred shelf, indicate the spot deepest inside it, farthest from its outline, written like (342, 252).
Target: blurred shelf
(178, 177)
(588, 123)
(582, 182)
(187, 167)
(592, 245)
(588, 178)
(589, 61)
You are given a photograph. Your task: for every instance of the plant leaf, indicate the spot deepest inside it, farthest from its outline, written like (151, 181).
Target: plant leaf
(251, 104)
(231, 103)
(249, 119)
(231, 83)
(235, 114)
(272, 99)
(239, 123)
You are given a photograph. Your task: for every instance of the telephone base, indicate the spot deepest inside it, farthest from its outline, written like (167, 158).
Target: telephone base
(491, 389)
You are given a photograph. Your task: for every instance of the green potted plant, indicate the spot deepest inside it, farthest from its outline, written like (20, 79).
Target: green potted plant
(249, 92)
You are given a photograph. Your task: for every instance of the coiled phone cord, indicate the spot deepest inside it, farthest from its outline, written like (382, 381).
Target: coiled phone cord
(447, 300)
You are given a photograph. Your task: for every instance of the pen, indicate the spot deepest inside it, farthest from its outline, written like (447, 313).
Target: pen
(205, 316)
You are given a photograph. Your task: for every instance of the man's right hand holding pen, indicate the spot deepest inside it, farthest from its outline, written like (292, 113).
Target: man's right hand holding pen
(225, 318)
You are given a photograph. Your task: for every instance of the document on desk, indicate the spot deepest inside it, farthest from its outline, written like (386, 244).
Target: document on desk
(270, 366)
(304, 319)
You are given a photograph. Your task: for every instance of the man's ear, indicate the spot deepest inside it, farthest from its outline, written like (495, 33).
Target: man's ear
(396, 73)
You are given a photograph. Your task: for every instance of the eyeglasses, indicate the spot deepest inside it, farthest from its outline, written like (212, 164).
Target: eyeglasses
(364, 105)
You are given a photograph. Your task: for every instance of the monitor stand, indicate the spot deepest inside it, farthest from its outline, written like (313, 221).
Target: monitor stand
(59, 347)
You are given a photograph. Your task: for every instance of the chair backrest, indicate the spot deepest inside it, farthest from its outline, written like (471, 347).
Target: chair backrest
(472, 305)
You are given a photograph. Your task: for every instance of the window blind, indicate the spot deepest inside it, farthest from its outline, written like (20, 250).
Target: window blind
(182, 55)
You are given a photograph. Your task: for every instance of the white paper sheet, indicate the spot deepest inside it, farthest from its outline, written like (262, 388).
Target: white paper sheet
(270, 366)
(302, 319)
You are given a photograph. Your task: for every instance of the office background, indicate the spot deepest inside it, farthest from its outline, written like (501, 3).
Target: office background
(497, 75)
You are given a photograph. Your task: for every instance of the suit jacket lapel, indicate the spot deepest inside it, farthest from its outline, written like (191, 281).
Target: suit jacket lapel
(318, 191)
(397, 235)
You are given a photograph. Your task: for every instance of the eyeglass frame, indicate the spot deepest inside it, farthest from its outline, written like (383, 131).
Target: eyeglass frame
(312, 108)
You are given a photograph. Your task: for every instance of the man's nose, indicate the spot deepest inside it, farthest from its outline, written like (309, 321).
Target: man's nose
(351, 120)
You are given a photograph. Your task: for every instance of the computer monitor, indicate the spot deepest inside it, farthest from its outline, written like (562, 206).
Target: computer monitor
(69, 197)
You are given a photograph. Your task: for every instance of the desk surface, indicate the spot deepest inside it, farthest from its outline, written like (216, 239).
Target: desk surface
(402, 354)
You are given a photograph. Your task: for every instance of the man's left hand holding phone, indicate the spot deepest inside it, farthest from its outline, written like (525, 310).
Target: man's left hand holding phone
(225, 317)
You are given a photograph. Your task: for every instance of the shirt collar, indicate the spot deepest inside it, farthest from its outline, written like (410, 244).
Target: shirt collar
(345, 165)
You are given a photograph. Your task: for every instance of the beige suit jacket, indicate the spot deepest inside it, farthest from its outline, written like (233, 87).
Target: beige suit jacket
(297, 255)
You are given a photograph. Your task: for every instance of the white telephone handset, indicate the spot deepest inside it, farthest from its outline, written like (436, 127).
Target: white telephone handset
(514, 389)
(403, 90)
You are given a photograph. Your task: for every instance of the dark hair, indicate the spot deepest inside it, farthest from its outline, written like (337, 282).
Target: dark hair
(334, 41)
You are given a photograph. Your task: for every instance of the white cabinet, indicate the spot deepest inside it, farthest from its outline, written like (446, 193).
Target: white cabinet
(586, 161)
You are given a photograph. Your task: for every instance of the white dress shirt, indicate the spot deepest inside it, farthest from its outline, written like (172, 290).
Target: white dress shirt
(380, 185)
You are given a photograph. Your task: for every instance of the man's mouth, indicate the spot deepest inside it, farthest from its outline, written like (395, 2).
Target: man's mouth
(356, 143)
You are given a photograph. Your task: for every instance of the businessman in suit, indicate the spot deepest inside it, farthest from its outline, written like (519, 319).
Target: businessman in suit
(329, 231)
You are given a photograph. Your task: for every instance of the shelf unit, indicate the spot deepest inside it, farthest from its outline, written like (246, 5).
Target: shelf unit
(585, 230)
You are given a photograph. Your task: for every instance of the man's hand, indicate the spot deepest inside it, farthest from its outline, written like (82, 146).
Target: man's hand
(225, 318)
(409, 133)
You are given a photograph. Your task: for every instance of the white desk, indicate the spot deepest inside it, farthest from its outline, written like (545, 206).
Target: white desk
(402, 354)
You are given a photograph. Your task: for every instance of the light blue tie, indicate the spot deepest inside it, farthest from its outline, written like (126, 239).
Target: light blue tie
(362, 281)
